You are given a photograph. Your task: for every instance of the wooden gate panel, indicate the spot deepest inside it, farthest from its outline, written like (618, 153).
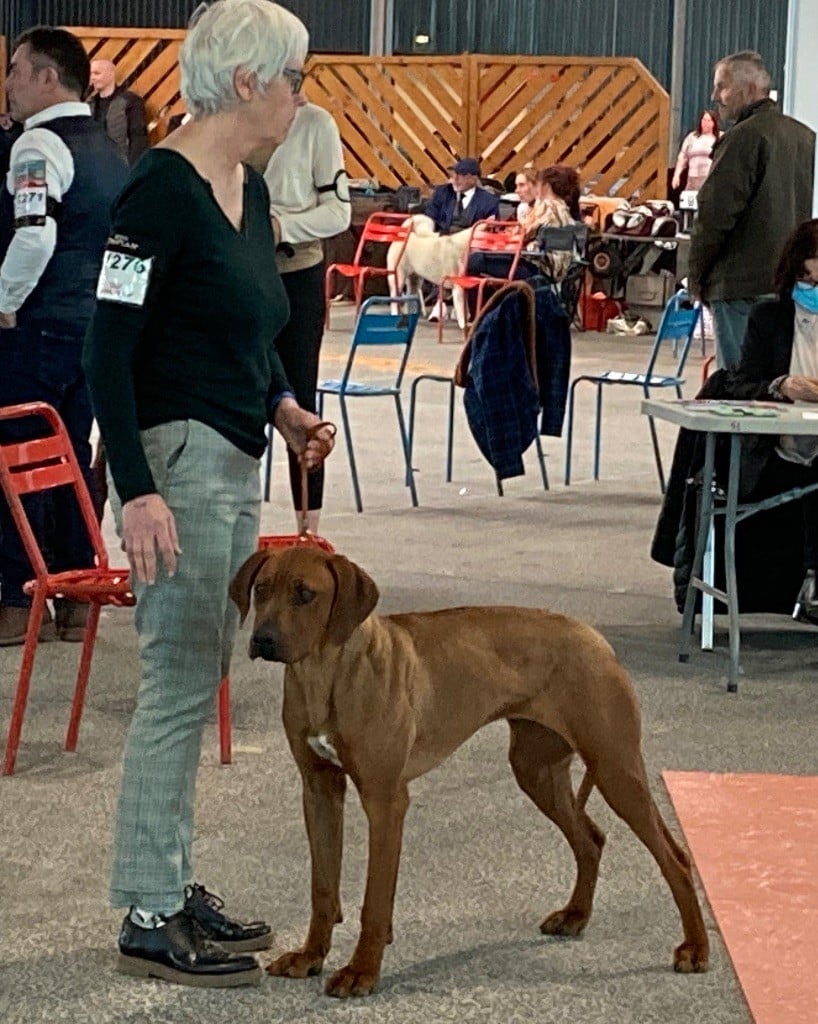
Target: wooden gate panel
(515, 145)
(404, 120)
(412, 117)
(542, 111)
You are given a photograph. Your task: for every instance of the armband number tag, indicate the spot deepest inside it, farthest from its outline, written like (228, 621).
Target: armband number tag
(124, 278)
(30, 194)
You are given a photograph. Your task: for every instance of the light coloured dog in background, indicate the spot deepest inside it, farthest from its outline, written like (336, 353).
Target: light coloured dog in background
(431, 256)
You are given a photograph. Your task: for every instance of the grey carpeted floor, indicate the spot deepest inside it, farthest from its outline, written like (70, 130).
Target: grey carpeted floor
(480, 866)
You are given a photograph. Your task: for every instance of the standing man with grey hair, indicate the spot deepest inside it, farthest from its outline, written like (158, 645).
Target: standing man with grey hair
(759, 188)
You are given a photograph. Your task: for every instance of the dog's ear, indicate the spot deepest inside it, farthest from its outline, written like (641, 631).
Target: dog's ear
(242, 583)
(355, 596)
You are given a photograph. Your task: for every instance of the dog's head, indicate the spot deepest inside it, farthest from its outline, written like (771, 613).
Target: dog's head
(304, 599)
(422, 225)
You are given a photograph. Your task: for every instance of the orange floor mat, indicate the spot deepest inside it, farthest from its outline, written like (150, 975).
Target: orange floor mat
(754, 839)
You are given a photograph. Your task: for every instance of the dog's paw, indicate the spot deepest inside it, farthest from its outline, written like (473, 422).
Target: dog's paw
(298, 964)
(691, 959)
(566, 922)
(352, 981)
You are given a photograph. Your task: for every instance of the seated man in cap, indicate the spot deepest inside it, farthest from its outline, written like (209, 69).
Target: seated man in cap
(458, 204)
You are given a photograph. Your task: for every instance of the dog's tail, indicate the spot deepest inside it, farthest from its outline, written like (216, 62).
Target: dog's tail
(584, 790)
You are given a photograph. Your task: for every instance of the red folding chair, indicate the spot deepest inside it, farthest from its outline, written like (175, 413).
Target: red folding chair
(28, 467)
(494, 237)
(384, 228)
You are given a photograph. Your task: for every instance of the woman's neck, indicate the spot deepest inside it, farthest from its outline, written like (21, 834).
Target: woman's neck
(215, 145)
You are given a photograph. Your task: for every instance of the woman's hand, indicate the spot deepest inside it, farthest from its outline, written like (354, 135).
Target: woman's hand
(677, 180)
(294, 424)
(800, 389)
(148, 526)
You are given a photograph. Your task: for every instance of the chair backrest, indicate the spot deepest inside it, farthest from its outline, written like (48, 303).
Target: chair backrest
(495, 236)
(677, 326)
(27, 467)
(571, 238)
(385, 321)
(384, 228)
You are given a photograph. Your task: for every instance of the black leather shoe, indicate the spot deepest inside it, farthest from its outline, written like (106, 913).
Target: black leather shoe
(806, 607)
(180, 951)
(235, 936)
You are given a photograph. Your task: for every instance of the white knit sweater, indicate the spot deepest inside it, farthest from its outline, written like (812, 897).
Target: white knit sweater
(309, 159)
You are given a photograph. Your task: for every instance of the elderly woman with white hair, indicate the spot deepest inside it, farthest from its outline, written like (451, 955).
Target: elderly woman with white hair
(184, 376)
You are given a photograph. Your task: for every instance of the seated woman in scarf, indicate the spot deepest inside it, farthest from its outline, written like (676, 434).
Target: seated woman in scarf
(556, 205)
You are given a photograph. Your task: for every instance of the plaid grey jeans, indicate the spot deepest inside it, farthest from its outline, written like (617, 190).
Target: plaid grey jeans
(185, 627)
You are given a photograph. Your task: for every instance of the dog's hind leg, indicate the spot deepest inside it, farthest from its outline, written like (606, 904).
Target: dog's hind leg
(323, 799)
(622, 781)
(540, 760)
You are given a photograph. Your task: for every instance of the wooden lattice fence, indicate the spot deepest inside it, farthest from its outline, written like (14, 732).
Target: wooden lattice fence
(403, 120)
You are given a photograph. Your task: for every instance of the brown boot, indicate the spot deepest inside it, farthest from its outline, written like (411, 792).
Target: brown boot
(14, 623)
(71, 618)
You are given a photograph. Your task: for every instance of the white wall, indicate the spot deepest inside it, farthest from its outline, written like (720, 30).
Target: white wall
(800, 94)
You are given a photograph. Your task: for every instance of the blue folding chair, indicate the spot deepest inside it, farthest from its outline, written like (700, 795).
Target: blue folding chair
(678, 325)
(387, 323)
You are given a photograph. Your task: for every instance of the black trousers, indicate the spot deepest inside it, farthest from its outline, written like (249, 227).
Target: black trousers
(43, 365)
(299, 346)
(779, 475)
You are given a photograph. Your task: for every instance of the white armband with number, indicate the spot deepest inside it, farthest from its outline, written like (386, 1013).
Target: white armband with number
(124, 278)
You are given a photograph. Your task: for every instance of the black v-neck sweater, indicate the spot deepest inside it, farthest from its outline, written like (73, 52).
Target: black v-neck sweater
(200, 345)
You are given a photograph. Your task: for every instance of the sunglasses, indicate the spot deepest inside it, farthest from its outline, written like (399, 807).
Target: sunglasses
(295, 79)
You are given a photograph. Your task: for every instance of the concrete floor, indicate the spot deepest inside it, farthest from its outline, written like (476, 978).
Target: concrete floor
(480, 866)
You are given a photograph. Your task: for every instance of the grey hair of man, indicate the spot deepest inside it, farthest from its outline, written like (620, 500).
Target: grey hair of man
(256, 35)
(747, 68)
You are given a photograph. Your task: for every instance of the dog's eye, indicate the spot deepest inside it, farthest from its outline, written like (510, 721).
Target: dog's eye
(303, 595)
(261, 591)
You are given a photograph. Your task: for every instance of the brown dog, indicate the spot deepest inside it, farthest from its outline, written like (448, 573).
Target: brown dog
(385, 699)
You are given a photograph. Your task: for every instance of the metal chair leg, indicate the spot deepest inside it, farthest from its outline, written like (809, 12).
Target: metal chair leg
(350, 453)
(410, 476)
(268, 461)
(35, 619)
(450, 425)
(569, 432)
(450, 434)
(224, 722)
(541, 458)
(598, 431)
(657, 453)
(83, 672)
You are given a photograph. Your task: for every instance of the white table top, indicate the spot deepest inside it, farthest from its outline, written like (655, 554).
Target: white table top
(728, 417)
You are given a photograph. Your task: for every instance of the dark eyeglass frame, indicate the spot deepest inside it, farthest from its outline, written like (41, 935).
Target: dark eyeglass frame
(293, 78)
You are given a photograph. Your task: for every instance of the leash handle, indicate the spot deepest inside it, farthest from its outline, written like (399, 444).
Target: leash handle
(326, 446)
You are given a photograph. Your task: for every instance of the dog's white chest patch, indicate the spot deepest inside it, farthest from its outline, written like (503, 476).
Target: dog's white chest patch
(324, 749)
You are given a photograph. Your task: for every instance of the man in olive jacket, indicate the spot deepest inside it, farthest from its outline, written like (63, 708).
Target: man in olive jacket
(758, 190)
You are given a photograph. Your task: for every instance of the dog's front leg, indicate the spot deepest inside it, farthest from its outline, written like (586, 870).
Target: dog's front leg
(459, 300)
(324, 788)
(385, 813)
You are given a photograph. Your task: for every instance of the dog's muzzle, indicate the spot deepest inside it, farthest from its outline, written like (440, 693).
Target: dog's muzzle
(266, 643)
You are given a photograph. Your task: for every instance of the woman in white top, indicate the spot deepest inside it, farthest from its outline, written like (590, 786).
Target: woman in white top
(309, 201)
(696, 153)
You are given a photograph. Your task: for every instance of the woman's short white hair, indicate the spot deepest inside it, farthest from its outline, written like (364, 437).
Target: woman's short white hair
(257, 35)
